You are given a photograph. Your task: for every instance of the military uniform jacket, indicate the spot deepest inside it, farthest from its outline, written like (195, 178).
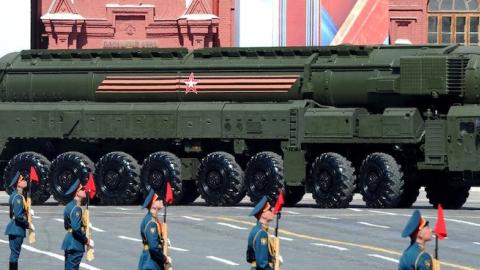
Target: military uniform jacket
(415, 258)
(152, 256)
(75, 239)
(258, 246)
(18, 219)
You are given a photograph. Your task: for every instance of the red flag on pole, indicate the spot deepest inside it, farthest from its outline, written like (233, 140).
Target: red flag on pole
(90, 187)
(440, 228)
(279, 204)
(169, 194)
(33, 175)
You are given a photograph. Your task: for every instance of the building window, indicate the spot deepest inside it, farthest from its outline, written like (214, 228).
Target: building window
(453, 21)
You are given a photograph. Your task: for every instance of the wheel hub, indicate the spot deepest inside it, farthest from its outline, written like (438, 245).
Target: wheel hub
(112, 179)
(260, 180)
(372, 180)
(65, 180)
(214, 179)
(324, 181)
(157, 179)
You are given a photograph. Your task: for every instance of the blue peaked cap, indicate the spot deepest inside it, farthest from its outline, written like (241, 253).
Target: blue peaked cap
(148, 199)
(413, 224)
(14, 179)
(73, 187)
(259, 206)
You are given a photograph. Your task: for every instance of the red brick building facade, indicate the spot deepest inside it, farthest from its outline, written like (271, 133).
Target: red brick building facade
(78, 24)
(211, 23)
(435, 21)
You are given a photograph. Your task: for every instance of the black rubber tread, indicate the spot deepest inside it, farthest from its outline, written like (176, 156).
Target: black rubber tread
(168, 167)
(389, 186)
(232, 188)
(450, 197)
(272, 164)
(79, 167)
(22, 163)
(335, 191)
(190, 192)
(127, 190)
(293, 195)
(410, 193)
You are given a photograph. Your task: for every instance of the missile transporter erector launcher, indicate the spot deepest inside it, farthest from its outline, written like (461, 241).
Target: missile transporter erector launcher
(226, 122)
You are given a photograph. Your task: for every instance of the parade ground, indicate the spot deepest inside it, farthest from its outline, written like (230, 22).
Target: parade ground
(211, 238)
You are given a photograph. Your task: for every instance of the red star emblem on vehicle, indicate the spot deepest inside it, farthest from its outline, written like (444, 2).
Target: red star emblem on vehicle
(191, 84)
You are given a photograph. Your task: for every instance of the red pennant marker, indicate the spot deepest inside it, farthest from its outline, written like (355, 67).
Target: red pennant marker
(90, 187)
(279, 204)
(441, 227)
(169, 194)
(33, 175)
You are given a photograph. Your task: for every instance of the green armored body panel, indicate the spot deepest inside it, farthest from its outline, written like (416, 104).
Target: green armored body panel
(228, 122)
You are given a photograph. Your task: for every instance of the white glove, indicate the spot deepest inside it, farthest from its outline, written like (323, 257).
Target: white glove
(91, 243)
(32, 213)
(32, 227)
(280, 259)
(168, 242)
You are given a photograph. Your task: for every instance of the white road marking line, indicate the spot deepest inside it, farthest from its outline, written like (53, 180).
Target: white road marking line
(476, 243)
(463, 222)
(329, 246)
(285, 238)
(243, 207)
(193, 218)
(355, 209)
(383, 212)
(139, 240)
(129, 238)
(35, 217)
(291, 212)
(231, 226)
(383, 258)
(178, 249)
(282, 238)
(325, 217)
(4, 211)
(95, 228)
(92, 227)
(53, 255)
(373, 225)
(123, 209)
(222, 260)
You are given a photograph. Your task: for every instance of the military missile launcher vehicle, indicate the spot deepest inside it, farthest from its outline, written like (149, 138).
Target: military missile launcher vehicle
(224, 123)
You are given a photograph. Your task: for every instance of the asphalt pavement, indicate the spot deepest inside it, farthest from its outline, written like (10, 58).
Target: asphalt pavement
(212, 238)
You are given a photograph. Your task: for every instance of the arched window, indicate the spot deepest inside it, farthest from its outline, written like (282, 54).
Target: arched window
(453, 21)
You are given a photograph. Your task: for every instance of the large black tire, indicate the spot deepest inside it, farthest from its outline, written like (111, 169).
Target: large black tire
(293, 195)
(381, 180)
(117, 177)
(333, 180)
(451, 197)
(22, 163)
(264, 176)
(220, 180)
(410, 193)
(190, 192)
(158, 168)
(65, 170)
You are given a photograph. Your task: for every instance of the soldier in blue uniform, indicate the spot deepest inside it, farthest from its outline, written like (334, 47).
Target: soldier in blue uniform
(259, 252)
(16, 228)
(415, 257)
(152, 257)
(75, 239)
